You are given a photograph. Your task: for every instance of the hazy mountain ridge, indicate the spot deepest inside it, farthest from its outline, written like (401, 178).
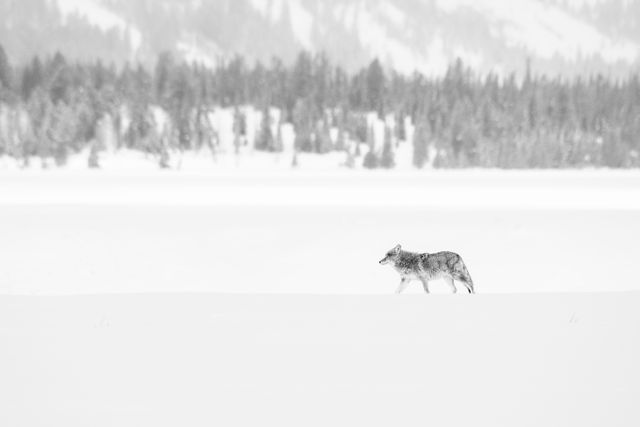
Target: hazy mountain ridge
(423, 35)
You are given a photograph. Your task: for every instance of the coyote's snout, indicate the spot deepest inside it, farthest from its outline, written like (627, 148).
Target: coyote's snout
(424, 267)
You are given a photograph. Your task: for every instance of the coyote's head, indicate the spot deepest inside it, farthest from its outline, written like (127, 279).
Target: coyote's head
(391, 255)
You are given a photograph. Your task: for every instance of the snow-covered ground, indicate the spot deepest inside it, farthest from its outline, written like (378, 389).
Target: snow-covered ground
(206, 360)
(225, 298)
(90, 232)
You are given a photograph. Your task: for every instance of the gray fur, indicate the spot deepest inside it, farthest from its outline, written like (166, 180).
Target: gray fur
(425, 267)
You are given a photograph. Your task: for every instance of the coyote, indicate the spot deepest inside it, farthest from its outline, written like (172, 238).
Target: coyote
(425, 267)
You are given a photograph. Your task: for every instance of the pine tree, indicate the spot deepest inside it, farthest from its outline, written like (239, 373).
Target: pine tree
(279, 143)
(265, 140)
(182, 100)
(370, 160)
(163, 78)
(302, 77)
(94, 159)
(402, 128)
(375, 87)
(387, 160)
(304, 126)
(420, 153)
(60, 76)
(31, 78)
(165, 158)
(341, 143)
(6, 73)
(323, 140)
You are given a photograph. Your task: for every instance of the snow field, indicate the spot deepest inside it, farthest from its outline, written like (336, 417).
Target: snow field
(240, 299)
(202, 360)
(522, 232)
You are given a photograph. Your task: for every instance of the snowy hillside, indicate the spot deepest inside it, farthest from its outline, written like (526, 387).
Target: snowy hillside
(99, 16)
(211, 360)
(423, 35)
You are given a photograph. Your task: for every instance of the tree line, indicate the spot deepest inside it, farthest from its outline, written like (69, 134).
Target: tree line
(461, 119)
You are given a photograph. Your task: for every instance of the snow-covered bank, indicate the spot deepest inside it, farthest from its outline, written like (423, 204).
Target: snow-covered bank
(205, 360)
(68, 233)
(450, 189)
(312, 250)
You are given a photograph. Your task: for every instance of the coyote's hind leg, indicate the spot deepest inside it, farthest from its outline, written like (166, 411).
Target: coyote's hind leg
(449, 280)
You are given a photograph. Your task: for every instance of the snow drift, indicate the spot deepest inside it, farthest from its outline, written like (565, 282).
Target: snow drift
(207, 360)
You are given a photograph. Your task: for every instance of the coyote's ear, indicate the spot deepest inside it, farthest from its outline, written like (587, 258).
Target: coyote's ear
(397, 248)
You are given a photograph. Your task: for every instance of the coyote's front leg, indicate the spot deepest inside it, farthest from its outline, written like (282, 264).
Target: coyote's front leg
(425, 284)
(403, 285)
